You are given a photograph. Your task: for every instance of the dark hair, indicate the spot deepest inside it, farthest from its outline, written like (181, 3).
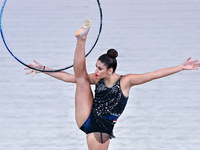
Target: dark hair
(109, 59)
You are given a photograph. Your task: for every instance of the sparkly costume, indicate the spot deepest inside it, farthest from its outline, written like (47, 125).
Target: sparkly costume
(108, 105)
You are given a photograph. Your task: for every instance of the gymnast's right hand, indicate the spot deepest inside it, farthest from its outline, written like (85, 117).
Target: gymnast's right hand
(37, 65)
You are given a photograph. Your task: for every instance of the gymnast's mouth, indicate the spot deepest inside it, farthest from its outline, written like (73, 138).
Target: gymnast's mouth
(96, 75)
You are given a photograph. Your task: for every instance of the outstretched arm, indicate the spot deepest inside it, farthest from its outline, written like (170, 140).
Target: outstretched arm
(64, 76)
(135, 79)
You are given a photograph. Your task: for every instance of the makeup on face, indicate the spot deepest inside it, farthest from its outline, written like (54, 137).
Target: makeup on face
(101, 69)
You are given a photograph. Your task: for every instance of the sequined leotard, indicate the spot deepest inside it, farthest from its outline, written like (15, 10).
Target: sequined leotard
(108, 105)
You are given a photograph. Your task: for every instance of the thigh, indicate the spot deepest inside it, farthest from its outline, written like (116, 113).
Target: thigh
(83, 101)
(93, 144)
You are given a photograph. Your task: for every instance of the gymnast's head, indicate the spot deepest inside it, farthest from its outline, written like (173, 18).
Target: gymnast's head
(106, 64)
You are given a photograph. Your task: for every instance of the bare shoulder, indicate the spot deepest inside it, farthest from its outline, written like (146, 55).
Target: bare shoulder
(136, 79)
(126, 84)
(93, 78)
(126, 79)
(130, 80)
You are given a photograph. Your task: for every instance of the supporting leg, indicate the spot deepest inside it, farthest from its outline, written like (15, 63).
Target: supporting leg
(93, 144)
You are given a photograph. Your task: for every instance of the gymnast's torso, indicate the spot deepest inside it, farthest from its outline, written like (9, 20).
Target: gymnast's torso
(108, 105)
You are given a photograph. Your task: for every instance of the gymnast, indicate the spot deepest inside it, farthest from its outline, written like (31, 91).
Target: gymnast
(96, 116)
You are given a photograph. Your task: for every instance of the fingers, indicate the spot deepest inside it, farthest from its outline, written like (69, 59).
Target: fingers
(192, 61)
(29, 72)
(28, 67)
(32, 71)
(197, 65)
(34, 66)
(188, 59)
(35, 61)
(34, 74)
(195, 61)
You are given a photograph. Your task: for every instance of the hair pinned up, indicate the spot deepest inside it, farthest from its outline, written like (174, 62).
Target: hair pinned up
(109, 59)
(112, 53)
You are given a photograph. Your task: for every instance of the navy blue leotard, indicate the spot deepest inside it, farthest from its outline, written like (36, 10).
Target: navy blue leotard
(108, 105)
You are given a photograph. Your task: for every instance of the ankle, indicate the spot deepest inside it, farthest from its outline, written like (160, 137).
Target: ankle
(81, 39)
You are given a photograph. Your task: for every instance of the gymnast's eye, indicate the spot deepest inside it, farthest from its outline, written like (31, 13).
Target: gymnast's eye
(99, 68)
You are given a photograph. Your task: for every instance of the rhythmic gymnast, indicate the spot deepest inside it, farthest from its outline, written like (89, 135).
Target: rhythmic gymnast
(96, 116)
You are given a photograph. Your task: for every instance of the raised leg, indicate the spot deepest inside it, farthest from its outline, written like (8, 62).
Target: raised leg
(83, 96)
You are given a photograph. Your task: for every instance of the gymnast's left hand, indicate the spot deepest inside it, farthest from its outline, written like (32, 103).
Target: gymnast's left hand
(190, 65)
(37, 65)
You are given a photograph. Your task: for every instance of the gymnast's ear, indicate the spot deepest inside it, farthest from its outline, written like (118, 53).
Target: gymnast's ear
(110, 71)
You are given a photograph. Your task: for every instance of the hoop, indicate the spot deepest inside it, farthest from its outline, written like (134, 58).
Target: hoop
(100, 28)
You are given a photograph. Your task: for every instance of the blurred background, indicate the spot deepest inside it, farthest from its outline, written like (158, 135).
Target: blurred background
(37, 113)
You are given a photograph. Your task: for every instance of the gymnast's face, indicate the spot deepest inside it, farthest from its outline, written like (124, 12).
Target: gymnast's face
(101, 70)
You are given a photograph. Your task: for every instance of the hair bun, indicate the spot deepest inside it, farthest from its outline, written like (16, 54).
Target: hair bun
(112, 53)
